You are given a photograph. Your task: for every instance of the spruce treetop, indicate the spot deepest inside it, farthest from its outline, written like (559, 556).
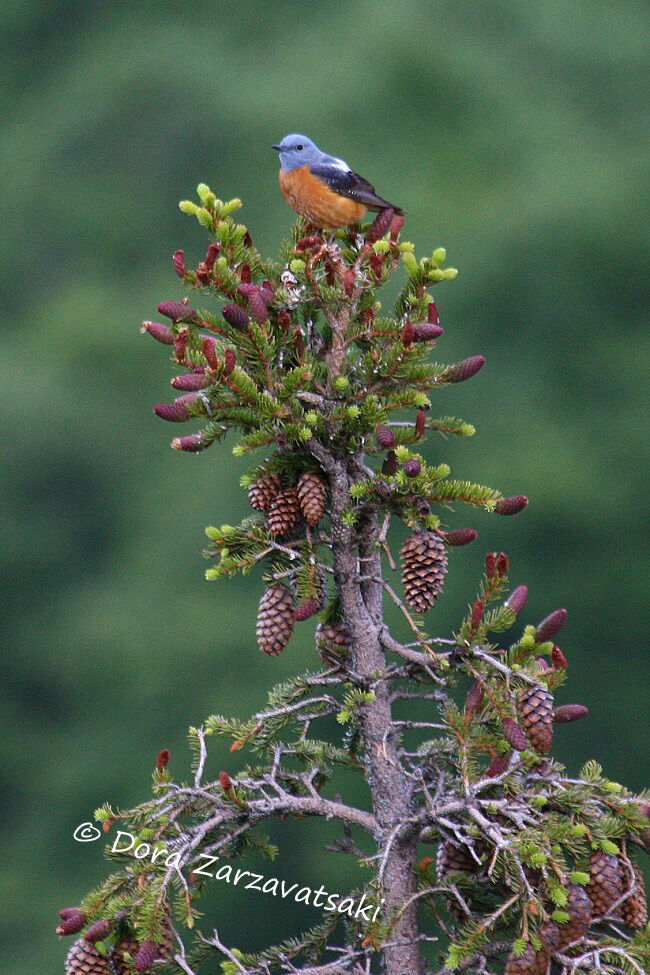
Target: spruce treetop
(482, 854)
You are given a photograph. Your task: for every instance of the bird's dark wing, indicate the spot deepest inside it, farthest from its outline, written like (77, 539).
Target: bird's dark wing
(350, 184)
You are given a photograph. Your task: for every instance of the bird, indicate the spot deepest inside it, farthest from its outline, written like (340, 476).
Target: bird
(322, 188)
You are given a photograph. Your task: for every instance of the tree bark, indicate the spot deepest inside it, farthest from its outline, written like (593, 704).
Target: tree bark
(356, 553)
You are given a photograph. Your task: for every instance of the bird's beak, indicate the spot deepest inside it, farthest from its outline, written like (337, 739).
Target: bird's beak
(279, 148)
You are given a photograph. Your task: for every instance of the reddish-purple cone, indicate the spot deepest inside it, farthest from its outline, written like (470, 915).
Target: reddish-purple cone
(67, 912)
(211, 255)
(432, 313)
(229, 362)
(257, 305)
(426, 332)
(72, 923)
(192, 444)
(569, 712)
(210, 351)
(497, 766)
(462, 536)
(412, 467)
(191, 381)
(465, 369)
(380, 225)
(306, 609)
(474, 700)
(147, 954)
(491, 565)
(98, 930)
(267, 292)
(236, 316)
(178, 311)
(390, 465)
(179, 263)
(420, 423)
(517, 599)
(176, 412)
(514, 735)
(511, 506)
(385, 436)
(161, 333)
(550, 625)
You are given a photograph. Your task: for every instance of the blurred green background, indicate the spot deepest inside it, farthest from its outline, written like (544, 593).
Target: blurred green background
(511, 134)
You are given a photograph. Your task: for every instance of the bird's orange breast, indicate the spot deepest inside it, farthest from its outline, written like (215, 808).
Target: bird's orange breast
(313, 199)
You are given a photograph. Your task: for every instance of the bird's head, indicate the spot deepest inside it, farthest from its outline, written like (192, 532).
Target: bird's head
(297, 150)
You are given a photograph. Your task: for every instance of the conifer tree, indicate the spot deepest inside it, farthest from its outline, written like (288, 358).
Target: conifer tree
(483, 853)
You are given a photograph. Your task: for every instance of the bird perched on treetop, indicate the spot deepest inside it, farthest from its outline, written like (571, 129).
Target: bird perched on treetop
(322, 188)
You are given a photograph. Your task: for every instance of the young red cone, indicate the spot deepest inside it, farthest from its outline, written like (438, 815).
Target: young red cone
(179, 263)
(73, 923)
(551, 625)
(465, 369)
(511, 506)
(161, 333)
(385, 436)
(569, 712)
(236, 316)
(147, 954)
(98, 930)
(178, 311)
(517, 599)
(462, 536)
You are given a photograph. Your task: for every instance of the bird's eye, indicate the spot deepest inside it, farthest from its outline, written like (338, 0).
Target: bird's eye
(300, 148)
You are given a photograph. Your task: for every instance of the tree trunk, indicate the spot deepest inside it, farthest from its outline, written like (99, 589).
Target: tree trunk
(356, 553)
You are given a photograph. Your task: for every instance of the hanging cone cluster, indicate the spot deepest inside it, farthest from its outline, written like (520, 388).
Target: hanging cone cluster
(424, 564)
(606, 884)
(263, 493)
(536, 706)
(634, 910)
(275, 620)
(284, 512)
(578, 907)
(333, 642)
(84, 959)
(311, 495)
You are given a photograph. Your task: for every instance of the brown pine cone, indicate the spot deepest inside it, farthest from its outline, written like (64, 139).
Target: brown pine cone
(263, 493)
(311, 495)
(536, 705)
(424, 564)
(122, 965)
(578, 907)
(452, 856)
(606, 884)
(284, 512)
(333, 642)
(530, 963)
(275, 619)
(634, 910)
(84, 959)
